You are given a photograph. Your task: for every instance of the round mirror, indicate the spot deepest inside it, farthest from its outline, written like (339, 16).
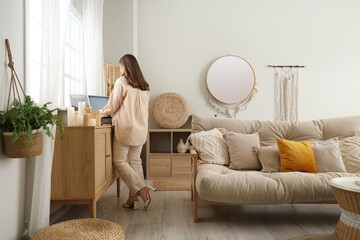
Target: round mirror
(230, 80)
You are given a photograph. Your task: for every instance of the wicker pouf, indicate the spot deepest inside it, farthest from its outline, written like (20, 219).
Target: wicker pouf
(347, 194)
(89, 229)
(170, 110)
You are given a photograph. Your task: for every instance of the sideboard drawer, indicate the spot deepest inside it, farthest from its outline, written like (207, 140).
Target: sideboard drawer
(159, 166)
(181, 166)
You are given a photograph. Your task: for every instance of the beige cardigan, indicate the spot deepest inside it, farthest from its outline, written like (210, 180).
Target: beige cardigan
(129, 109)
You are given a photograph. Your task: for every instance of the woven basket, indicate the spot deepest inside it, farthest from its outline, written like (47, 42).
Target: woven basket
(170, 110)
(22, 148)
(89, 229)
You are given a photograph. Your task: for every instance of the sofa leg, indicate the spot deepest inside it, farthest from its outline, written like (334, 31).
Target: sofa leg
(195, 209)
(192, 194)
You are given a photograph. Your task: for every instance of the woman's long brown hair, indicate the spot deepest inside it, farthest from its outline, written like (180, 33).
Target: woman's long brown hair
(133, 74)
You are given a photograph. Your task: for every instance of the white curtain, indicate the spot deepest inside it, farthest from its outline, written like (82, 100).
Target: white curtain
(286, 94)
(93, 46)
(46, 22)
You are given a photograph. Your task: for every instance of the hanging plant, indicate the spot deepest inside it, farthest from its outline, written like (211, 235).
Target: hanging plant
(22, 119)
(23, 122)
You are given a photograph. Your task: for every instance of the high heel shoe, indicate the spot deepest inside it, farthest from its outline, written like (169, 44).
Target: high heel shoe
(148, 201)
(133, 204)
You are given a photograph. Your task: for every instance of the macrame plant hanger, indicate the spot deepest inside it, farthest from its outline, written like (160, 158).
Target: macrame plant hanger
(14, 80)
(286, 92)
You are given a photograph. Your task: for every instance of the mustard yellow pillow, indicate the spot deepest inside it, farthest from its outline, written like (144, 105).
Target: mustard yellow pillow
(296, 156)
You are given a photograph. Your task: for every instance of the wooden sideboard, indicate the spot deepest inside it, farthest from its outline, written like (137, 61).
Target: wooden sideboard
(82, 167)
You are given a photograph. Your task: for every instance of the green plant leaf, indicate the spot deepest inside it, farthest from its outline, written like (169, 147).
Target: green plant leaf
(22, 119)
(29, 133)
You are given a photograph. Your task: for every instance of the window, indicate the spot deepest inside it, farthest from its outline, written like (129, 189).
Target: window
(38, 59)
(73, 82)
(39, 17)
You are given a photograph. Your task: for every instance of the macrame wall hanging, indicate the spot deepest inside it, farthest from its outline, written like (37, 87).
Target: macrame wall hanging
(231, 109)
(231, 85)
(286, 92)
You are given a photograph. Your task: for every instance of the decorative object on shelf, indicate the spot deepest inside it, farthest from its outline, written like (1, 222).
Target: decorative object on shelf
(231, 83)
(21, 119)
(84, 117)
(81, 108)
(71, 116)
(181, 147)
(286, 92)
(170, 110)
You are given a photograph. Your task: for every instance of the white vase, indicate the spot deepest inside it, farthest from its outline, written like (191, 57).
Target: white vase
(181, 147)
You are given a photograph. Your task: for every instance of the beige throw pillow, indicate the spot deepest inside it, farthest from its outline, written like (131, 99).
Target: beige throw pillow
(269, 158)
(211, 146)
(241, 150)
(328, 156)
(350, 151)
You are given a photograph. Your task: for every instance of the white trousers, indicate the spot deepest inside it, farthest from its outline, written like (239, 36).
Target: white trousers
(132, 172)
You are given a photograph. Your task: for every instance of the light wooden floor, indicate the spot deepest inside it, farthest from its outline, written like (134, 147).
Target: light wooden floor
(170, 217)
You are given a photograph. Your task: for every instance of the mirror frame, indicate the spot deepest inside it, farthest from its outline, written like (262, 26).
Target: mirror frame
(239, 102)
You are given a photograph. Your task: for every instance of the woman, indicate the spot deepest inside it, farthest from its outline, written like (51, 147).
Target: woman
(128, 104)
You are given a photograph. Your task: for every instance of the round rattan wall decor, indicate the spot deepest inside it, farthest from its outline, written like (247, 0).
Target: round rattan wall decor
(170, 110)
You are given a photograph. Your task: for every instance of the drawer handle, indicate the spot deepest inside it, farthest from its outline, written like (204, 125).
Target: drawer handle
(108, 155)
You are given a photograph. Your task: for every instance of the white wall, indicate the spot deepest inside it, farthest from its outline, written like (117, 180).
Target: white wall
(12, 171)
(179, 39)
(118, 29)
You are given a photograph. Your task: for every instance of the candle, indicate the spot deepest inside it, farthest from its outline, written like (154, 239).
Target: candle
(92, 122)
(86, 119)
(97, 117)
(70, 116)
(81, 107)
(88, 109)
(80, 120)
(75, 118)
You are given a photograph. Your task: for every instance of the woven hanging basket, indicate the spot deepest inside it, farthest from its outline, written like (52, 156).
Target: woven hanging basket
(89, 229)
(170, 110)
(22, 148)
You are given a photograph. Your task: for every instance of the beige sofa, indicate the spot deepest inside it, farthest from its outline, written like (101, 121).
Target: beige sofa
(217, 183)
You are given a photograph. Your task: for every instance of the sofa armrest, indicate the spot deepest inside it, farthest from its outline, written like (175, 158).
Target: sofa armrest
(194, 167)
(194, 160)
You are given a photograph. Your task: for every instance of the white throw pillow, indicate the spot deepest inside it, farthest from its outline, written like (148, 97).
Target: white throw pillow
(328, 156)
(211, 146)
(350, 151)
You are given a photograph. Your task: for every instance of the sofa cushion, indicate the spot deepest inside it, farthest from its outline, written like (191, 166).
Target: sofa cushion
(350, 151)
(221, 184)
(296, 156)
(211, 146)
(269, 158)
(241, 150)
(328, 156)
